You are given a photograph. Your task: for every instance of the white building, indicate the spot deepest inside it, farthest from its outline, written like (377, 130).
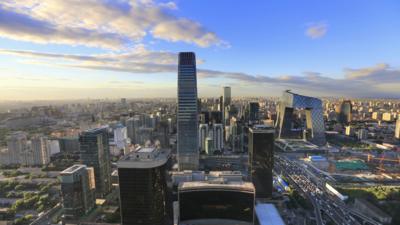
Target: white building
(40, 151)
(203, 134)
(218, 136)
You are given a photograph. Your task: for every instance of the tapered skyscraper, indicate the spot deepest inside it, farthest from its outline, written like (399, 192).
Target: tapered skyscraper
(188, 152)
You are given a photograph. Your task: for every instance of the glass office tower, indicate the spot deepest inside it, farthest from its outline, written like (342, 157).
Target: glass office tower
(95, 152)
(261, 157)
(188, 152)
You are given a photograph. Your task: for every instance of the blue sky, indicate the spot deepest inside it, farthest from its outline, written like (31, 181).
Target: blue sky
(60, 49)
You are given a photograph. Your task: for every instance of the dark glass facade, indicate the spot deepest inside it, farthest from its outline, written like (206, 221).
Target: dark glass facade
(142, 196)
(188, 153)
(345, 112)
(214, 204)
(261, 156)
(95, 152)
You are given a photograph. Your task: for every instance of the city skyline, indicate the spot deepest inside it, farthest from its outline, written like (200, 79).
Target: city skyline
(112, 49)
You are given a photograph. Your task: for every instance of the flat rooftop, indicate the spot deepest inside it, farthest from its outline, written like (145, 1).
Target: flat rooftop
(263, 129)
(147, 157)
(267, 214)
(217, 185)
(72, 169)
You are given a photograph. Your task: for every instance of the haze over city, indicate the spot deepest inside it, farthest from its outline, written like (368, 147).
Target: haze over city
(110, 49)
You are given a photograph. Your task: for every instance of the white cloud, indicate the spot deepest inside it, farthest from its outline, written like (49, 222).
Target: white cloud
(375, 81)
(316, 30)
(109, 23)
(185, 30)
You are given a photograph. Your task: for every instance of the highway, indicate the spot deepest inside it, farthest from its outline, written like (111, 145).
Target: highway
(313, 187)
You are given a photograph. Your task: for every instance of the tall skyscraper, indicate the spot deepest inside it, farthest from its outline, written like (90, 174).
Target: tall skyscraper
(95, 152)
(261, 158)
(345, 112)
(188, 153)
(77, 191)
(227, 96)
(397, 129)
(226, 104)
(142, 185)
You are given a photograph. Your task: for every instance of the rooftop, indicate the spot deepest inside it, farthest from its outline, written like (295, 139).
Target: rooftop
(72, 169)
(147, 157)
(262, 128)
(217, 185)
(267, 214)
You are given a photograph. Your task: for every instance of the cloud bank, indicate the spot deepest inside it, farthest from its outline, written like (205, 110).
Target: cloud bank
(376, 81)
(107, 24)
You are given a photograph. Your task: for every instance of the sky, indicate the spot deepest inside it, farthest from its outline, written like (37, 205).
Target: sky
(74, 49)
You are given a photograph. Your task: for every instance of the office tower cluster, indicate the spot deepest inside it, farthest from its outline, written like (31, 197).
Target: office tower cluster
(21, 150)
(211, 138)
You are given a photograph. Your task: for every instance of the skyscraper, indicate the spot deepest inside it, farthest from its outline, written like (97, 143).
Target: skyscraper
(345, 112)
(261, 159)
(314, 116)
(95, 152)
(77, 191)
(142, 187)
(227, 96)
(188, 153)
(254, 109)
(226, 105)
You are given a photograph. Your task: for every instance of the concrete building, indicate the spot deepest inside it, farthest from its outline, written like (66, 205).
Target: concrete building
(40, 150)
(209, 146)
(218, 136)
(17, 145)
(142, 185)
(387, 116)
(397, 129)
(362, 134)
(77, 191)
(350, 131)
(187, 124)
(95, 152)
(203, 134)
(69, 144)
